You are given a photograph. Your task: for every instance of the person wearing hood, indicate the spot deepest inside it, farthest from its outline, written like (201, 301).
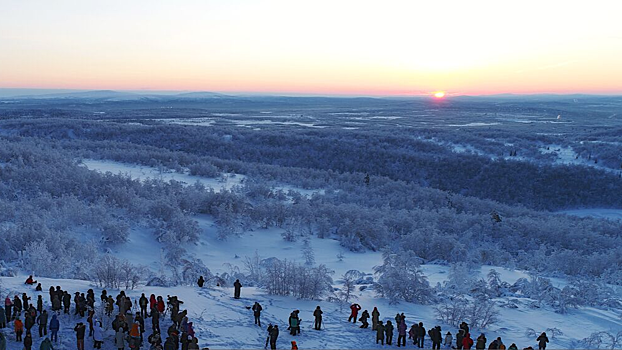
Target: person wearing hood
(54, 327)
(481, 342)
(467, 342)
(46, 344)
(513, 347)
(134, 341)
(448, 339)
(119, 339)
(375, 317)
(98, 335)
(294, 345)
(542, 340)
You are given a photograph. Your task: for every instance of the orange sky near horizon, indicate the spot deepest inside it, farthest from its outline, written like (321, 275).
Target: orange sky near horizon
(392, 47)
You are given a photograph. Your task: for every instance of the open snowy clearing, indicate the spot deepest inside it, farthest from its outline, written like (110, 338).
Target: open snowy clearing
(145, 172)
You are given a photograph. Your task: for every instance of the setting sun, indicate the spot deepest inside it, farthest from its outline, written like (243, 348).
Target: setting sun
(439, 94)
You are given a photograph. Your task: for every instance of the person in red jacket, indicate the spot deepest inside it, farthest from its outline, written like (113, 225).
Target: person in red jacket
(467, 342)
(355, 311)
(30, 280)
(160, 305)
(152, 301)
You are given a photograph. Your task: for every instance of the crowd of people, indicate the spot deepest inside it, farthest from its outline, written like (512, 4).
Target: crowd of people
(128, 322)
(384, 332)
(129, 318)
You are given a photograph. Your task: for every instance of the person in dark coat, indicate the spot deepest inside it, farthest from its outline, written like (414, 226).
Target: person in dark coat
(155, 320)
(268, 337)
(38, 288)
(364, 318)
(480, 344)
(2, 318)
(401, 333)
(542, 340)
(420, 335)
(200, 282)
(54, 327)
(318, 318)
(459, 338)
(80, 330)
(274, 335)
(25, 302)
(39, 303)
(143, 302)
(42, 321)
(257, 313)
(436, 337)
(388, 330)
(28, 341)
(380, 333)
(375, 317)
(66, 302)
(238, 288)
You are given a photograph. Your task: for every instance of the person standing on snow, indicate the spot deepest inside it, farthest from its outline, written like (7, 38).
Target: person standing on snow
(354, 311)
(448, 339)
(274, 335)
(388, 330)
(200, 282)
(237, 289)
(420, 334)
(8, 306)
(481, 342)
(542, 340)
(375, 317)
(380, 333)
(28, 341)
(98, 335)
(42, 321)
(2, 318)
(257, 313)
(54, 327)
(18, 326)
(143, 302)
(401, 333)
(80, 330)
(467, 342)
(318, 318)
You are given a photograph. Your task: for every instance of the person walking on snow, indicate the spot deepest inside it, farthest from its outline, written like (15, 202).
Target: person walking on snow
(257, 313)
(354, 311)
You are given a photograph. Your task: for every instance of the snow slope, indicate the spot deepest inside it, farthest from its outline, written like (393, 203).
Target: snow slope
(223, 322)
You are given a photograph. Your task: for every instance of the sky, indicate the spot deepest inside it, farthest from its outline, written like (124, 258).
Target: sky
(327, 47)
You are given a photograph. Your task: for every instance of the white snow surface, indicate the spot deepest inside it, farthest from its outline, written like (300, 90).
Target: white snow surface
(226, 181)
(222, 322)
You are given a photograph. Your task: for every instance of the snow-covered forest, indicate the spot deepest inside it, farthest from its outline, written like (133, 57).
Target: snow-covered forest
(495, 213)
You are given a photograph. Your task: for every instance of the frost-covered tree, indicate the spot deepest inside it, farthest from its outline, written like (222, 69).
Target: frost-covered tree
(307, 252)
(400, 278)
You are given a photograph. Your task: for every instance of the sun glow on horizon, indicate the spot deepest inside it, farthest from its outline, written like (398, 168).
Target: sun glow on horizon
(242, 46)
(439, 94)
